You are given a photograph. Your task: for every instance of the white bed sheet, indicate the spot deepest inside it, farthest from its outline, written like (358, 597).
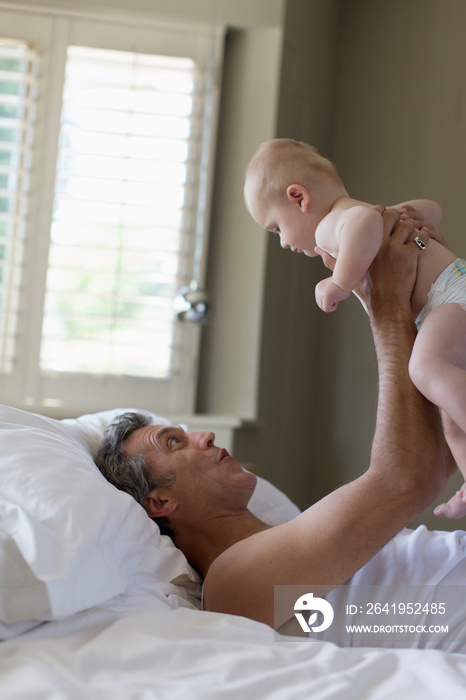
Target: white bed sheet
(186, 654)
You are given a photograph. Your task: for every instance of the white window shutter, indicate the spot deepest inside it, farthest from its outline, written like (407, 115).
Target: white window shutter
(129, 117)
(18, 95)
(124, 202)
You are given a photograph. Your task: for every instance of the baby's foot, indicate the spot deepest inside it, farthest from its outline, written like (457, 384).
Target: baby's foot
(455, 508)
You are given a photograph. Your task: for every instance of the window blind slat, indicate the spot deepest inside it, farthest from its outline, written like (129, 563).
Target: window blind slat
(17, 124)
(22, 79)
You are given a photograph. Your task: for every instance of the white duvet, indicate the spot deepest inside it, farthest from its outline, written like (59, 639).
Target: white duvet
(185, 654)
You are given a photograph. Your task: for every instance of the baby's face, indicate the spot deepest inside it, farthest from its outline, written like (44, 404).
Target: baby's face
(295, 227)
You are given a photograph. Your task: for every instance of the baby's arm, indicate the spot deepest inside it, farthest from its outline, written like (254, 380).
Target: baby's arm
(359, 236)
(429, 210)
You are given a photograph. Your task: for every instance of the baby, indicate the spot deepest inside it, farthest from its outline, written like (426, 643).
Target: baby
(294, 192)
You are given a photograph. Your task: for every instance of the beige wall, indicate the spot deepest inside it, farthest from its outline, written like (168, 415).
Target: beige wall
(234, 13)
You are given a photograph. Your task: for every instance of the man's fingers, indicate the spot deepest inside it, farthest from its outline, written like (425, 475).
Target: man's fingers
(390, 218)
(404, 230)
(421, 238)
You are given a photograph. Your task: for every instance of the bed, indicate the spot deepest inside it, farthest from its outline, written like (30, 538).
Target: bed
(95, 603)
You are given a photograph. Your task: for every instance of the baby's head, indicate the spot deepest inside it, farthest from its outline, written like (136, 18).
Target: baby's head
(279, 163)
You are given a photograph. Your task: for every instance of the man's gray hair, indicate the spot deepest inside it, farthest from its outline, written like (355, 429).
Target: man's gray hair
(131, 474)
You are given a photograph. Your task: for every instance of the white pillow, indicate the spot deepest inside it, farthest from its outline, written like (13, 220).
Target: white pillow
(69, 540)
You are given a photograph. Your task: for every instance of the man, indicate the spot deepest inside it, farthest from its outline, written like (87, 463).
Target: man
(202, 493)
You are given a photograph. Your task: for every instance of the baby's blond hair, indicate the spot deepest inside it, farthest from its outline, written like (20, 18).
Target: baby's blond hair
(281, 162)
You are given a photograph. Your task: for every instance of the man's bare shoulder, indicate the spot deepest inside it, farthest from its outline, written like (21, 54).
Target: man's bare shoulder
(324, 545)
(240, 581)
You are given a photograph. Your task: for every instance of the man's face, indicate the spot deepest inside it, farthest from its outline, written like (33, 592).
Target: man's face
(203, 472)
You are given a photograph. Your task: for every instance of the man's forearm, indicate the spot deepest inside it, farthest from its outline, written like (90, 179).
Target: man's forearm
(408, 443)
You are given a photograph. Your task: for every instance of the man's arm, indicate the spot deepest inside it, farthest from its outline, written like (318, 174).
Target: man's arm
(332, 539)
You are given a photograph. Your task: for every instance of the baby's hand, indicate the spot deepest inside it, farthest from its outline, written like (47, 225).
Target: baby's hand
(329, 294)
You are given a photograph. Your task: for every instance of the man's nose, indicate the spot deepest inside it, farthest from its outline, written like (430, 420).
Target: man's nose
(204, 438)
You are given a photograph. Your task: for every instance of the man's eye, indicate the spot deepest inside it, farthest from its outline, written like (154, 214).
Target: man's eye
(173, 441)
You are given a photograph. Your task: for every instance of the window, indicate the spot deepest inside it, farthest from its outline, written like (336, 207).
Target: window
(122, 207)
(114, 132)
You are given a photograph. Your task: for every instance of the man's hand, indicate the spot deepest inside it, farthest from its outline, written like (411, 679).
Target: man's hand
(391, 277)
(329, 294)
(408, 212)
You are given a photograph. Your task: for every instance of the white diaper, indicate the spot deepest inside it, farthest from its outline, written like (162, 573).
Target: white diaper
(448, 288)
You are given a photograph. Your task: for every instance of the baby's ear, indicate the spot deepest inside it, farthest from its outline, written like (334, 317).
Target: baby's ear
(298, 195)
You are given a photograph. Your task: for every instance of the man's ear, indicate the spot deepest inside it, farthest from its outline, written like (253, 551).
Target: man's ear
(299, 195)
(157, 504)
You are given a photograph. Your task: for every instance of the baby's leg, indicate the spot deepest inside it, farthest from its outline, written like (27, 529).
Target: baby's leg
(438, 361)
(456, 506)
(438, 369)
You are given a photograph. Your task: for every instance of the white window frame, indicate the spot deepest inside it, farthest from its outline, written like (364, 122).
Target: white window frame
(61, 394)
